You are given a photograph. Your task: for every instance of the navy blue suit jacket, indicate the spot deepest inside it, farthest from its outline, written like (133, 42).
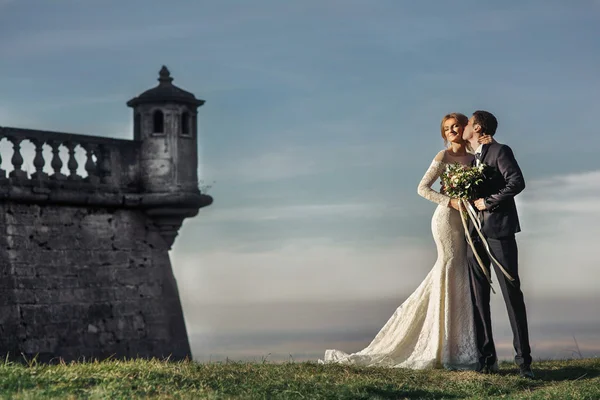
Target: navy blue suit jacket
(504, 180)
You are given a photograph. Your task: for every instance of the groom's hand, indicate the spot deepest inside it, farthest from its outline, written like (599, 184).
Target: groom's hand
(454, 203)
(480, 204)
(485, 139)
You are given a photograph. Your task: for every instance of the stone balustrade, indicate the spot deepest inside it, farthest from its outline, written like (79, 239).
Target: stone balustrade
(113, 177)
(110, 164)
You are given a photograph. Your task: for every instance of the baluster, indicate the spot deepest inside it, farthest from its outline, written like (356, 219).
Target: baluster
(17, 160)
(2, 172)
(38, 160)
(72, 163)
(56, 162)
(104, 164)
(90, 166)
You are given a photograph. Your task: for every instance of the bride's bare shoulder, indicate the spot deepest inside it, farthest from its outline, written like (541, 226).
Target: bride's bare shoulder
(440, 156)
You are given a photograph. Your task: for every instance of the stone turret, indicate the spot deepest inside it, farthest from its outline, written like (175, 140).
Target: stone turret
(165, 122)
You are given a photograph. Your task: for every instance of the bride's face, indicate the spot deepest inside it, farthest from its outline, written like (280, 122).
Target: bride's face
(453, 130)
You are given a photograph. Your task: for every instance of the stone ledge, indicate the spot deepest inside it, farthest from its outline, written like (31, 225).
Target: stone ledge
(105, 199)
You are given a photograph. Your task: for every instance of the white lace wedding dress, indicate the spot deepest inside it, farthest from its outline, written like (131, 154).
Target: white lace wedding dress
(434, 327)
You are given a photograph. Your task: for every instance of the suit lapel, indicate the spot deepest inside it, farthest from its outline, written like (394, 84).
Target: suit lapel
(484, 150)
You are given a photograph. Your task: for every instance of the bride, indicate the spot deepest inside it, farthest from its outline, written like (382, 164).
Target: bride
(434, 327)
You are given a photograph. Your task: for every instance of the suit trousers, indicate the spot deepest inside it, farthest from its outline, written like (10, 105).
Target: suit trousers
(506, 252)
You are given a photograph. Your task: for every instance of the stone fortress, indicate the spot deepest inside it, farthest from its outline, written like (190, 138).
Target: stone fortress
(84, 264)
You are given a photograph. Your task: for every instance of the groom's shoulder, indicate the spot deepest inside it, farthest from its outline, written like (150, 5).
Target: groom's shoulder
(501, 150)
(499, 147)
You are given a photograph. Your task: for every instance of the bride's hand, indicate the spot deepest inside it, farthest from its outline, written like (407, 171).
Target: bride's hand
(485, 139)
(454, 204)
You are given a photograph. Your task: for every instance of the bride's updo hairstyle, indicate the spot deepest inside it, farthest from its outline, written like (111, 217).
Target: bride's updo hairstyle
(461, 118)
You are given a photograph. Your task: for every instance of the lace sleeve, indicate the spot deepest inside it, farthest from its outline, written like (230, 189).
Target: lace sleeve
(424, 189)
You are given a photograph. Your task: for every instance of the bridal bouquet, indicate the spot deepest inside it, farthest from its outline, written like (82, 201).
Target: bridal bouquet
(461, 181)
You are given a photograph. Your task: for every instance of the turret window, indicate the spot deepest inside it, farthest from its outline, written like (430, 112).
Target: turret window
(158, 122)
(185, 123)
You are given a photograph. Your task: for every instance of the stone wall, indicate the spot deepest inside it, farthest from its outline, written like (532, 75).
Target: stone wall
(86, 282)
(86, 223)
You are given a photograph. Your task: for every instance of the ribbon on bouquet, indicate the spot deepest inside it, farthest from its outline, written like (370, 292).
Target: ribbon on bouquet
(473, 216)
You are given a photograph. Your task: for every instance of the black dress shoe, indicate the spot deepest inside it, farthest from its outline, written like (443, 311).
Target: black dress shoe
(526, 372)
(487, 369)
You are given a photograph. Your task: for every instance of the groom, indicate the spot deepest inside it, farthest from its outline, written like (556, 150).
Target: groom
(499, 223)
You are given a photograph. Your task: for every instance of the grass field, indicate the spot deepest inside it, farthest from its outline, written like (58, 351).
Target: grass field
(568, 379)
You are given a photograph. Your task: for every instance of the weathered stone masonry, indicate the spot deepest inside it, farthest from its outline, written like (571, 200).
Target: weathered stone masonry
(84, 264)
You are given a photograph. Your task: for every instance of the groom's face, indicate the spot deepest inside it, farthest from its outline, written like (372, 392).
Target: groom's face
(469, 129)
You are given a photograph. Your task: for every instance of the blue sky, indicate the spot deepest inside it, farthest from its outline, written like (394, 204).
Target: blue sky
(320, 119)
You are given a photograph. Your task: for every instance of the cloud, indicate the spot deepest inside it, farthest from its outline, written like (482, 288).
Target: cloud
(301, 271)
(305, 329)
(560, 220)
(564, 194)
(11, 117)
(563, 207)
(74, 101)
(302, 211)
(118, 129)
(55, 41)
(281, 161)
(287, 162)
(5, 3)
(557, 258)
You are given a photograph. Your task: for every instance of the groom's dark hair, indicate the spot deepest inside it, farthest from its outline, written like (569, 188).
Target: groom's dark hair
(487, 121)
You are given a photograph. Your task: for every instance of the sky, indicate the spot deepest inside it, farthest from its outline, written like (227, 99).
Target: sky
(321, 117)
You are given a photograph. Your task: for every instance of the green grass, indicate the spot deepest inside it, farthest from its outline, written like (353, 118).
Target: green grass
(568, 379)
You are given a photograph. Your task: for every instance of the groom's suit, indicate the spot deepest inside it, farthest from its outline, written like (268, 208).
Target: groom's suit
(499, 223)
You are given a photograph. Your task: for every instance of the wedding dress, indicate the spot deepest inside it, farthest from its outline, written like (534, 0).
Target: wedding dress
(434, 327)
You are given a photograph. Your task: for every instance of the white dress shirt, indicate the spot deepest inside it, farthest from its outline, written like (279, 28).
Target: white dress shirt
(477, 153)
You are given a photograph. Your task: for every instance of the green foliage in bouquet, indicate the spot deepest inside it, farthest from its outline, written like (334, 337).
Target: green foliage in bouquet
(461, 181)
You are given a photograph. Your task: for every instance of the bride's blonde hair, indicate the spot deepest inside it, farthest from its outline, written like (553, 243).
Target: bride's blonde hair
(462, 119)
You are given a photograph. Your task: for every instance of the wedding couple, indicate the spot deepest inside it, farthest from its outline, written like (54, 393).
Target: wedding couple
(445, 322)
